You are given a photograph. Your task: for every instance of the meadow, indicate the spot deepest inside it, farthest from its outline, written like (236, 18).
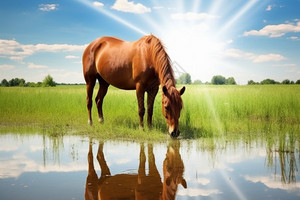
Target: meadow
(209, 111)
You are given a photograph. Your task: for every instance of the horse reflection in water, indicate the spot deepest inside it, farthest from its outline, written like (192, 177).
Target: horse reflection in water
(136, 186)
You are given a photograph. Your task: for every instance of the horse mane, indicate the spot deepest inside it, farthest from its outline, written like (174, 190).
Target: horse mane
(161, 61)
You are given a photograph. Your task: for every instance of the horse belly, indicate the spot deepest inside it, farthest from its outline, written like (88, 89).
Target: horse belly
(121, 186)
(116, 69)
(120, 77)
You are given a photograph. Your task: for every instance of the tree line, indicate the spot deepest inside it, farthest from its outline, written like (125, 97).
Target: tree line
(183, 79)
(216, 80)
(221, 80)
(271, 81)
(47, 82)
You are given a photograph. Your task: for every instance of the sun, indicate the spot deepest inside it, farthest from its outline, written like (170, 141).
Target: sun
(195, 48)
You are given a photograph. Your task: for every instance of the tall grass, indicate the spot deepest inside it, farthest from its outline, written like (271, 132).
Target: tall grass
(208, 111)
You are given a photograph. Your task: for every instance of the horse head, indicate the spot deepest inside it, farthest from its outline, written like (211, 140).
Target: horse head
(173, 170)
(171, 107)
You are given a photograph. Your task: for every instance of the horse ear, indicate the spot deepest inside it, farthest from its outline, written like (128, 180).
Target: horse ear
(183, 183)
(148, 39)
(165, 90)
(181, 91)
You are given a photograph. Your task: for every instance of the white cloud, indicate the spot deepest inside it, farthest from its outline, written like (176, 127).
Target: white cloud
(6, 67)
(193, 192)
(71, 57)
(275, 30)
(98, 4)
(239, 54)
(271, 182)
(48, 7)
(193, 16)
(293, 38)
(203, 181)
(269, 8)
(268, 57)
(158, 7)
(122, 161)
(34, 66)
(17, 52)
(130, 6)
(285, 65)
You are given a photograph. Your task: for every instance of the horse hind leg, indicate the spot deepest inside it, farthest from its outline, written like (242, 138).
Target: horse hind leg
(103, 86)
(89, 89)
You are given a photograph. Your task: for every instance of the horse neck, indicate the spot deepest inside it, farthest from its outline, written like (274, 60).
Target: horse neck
(166, 77)
(161, 62)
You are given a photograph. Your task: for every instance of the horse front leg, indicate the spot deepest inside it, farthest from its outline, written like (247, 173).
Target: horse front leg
(141, 170)
(140, 92)
(150, 101)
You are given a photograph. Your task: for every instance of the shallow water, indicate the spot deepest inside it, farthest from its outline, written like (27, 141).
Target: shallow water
(71, 167)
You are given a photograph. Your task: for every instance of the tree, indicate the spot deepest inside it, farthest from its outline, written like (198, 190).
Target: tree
(286, 81)
(21, 82)
(230, 81)
(48, 82)
(197, 82)
(251, 82)
(218, 80)
(298, 81)
(16, 82)
(5, 83)
(268, 81)
(184, 79)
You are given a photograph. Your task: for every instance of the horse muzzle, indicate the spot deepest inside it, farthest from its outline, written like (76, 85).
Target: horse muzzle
(174, 133)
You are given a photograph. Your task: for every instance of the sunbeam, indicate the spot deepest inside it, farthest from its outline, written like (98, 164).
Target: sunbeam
(113, 16)
(196, 5)
(233, 185)
(238, 15)
(215, 115)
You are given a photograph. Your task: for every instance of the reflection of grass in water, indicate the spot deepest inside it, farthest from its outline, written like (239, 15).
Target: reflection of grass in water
(208, 111)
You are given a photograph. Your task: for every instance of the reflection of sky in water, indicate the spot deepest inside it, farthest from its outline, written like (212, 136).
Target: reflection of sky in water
(39, 167)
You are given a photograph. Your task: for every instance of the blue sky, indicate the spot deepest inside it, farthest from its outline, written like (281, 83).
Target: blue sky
(245, 39)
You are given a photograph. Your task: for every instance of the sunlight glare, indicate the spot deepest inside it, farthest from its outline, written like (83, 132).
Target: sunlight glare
(194, 47)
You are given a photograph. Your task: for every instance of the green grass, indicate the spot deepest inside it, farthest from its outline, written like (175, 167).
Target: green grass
(238, 111)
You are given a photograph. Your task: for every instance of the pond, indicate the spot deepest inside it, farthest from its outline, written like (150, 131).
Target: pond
(34, 166)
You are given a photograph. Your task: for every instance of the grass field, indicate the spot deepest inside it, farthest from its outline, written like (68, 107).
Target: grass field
(208, 111)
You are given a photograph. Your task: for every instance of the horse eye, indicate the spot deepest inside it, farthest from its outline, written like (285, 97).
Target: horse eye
(167, 108)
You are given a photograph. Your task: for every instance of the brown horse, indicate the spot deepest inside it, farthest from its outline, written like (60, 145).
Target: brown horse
(136, 186)
(142, 65)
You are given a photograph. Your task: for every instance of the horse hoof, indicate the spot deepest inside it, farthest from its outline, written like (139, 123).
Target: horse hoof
(90, 122)
(141, 127)
(101, 120)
